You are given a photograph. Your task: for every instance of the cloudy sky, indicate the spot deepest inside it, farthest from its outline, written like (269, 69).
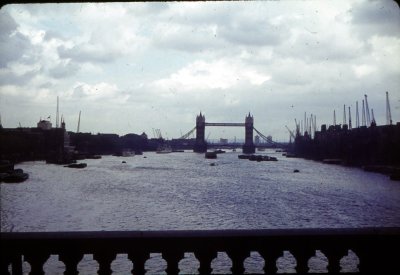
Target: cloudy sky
(142, 66)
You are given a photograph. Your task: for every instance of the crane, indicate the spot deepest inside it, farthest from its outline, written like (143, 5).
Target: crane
(363, 114)
(79, 122)
(373, 122)
(297, 127)
(349, 118)
(334, 117)
(357, 116)
(290, 132)
(388, 113)
(367, 111)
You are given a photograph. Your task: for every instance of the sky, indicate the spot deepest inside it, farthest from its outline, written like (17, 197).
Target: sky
(136, 67)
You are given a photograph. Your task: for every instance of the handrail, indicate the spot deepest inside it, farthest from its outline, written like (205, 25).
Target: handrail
(373, 246)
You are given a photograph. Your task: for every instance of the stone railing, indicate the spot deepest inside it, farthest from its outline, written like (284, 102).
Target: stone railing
(376, 248)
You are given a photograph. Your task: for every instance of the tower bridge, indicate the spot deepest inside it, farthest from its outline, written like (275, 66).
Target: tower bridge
(200, 145)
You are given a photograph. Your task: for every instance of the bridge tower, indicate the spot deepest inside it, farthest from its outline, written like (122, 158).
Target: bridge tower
(200, 145)
(248, 146)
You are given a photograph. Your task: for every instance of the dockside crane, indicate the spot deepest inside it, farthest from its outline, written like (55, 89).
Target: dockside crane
(388, 113)
(297, 127)
(349, 118)
(373, 122)
(363, 114)
(367, 111)
(79, 122)
(357, 116)
(334, 117)
(291, 133)
(315, 124)
(57, 114)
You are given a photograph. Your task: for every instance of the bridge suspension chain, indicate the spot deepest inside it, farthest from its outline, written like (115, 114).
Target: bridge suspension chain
(268, 140)
(185, 136)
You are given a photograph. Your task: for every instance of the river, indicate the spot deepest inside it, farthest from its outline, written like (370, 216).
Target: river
(183, 191)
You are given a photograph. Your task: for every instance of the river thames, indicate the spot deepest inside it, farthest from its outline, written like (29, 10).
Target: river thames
(183, 191)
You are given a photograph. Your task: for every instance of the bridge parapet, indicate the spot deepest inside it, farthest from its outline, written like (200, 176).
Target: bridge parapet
(376, 248)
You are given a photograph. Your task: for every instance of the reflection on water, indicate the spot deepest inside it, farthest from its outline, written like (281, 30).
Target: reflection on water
(182, 191)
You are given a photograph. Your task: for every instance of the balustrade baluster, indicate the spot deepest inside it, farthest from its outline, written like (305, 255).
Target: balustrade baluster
(104, 259)
(16, 267)
(172, 258)
(334, 256)
(205, 258)
(139, 260)
(71, 261)
(238, 256)
(270, 257)
(302, 256)
(36, 261)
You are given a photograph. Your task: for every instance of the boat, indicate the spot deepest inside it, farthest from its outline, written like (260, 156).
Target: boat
(258, 157)
(15, 176)
(244, 156)
(93, 157)
(210, 155)
(128, 154)
(76, 165)
(164, 149)
(219, 151)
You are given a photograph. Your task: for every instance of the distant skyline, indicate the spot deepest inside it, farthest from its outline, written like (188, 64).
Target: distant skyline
(135, 67)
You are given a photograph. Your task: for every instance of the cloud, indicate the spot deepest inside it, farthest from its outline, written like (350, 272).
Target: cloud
(363, 70)
(13, 44)
(256, 31)
(220, 74)
(8, 77)
(376, 18)
(88, 53)
(64, 69)
(99, 91)
(187, 38)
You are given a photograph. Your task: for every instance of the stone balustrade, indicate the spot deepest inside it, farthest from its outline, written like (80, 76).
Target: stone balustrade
(376, 248)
